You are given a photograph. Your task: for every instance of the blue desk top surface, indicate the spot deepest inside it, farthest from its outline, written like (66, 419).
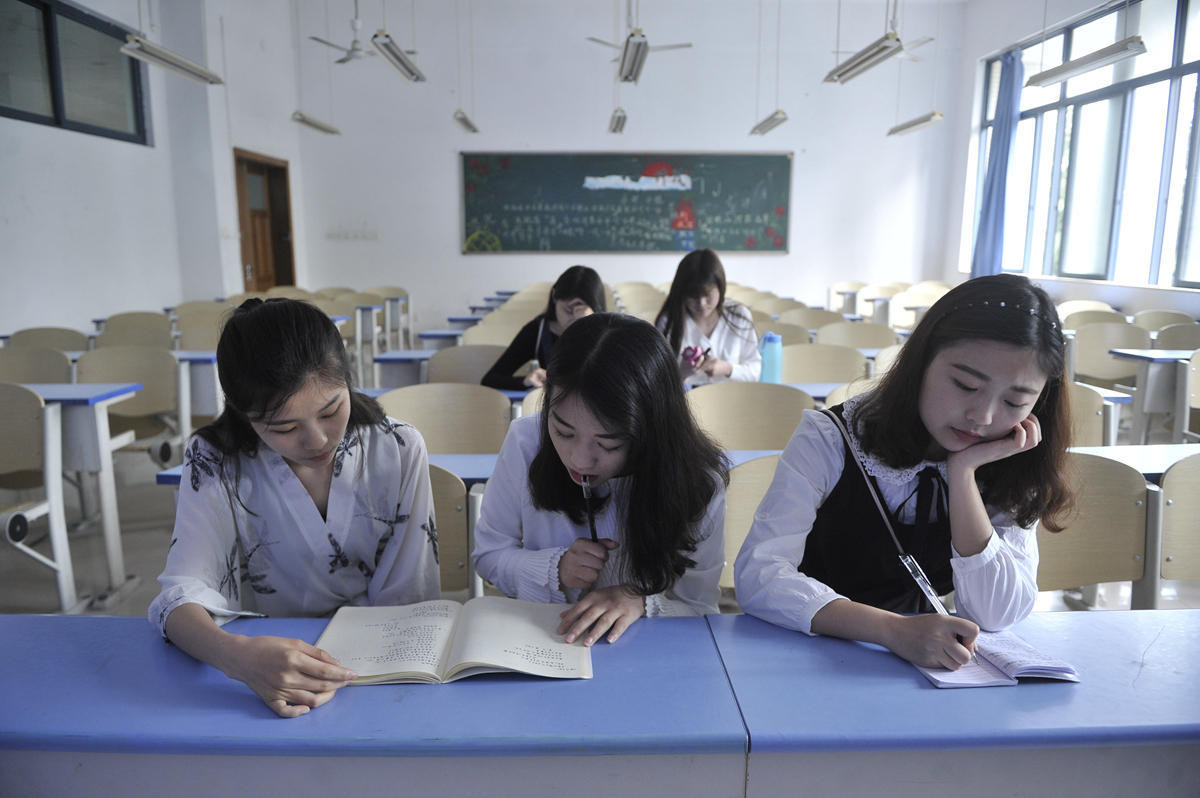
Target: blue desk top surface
(404, 355)
(1152, 459)
(1153, 355)
(196, 355)
(112, 684)
(440, 334)
(82, 393)
(800, 693)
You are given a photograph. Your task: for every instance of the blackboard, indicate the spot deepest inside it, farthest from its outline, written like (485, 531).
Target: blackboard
(624, 202)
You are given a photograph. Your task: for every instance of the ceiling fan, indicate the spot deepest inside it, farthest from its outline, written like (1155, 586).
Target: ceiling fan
(634, 50)
(356, 50)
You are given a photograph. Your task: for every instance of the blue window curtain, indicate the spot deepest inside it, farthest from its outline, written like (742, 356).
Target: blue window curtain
(989, 239)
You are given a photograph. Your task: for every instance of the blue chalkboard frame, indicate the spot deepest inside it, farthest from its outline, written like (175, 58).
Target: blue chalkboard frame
(625, 202)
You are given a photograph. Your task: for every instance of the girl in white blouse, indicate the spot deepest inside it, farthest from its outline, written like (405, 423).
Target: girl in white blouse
(714, 340)
(650, 539)
(302, 496)
(964, 442)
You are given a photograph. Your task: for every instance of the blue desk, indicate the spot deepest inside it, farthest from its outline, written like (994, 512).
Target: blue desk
(397, 368)
(106, 707)
(440, 338)
(1155, 387)
(832, 717)
(467, 321)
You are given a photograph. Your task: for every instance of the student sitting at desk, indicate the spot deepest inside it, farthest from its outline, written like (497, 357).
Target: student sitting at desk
(300, 497)
(577, 292)
(611, 498)
(951, 460)
(715, 340)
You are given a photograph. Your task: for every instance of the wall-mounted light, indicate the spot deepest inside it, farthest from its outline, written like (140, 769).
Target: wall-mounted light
(137, 47)
(616, 123)
(870, 56)
(315, 124)
(770, 123)
(465, 122)
(388, 48)
(1126, 48)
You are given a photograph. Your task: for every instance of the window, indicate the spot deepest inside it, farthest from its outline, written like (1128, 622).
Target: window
(1104, 176)
(62, 66)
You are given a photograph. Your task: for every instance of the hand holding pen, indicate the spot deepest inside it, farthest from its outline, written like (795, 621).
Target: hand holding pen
(964, 631)
(581, 563)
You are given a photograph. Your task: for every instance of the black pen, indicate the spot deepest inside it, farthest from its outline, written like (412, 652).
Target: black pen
(587, 500)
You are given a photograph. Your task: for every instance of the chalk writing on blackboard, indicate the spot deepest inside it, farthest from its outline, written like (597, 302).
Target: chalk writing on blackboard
(625, 202)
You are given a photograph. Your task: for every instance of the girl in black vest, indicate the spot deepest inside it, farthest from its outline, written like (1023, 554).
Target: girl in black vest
(963, 442)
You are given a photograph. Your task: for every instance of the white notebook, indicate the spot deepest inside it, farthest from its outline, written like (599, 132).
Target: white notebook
(1001, 658)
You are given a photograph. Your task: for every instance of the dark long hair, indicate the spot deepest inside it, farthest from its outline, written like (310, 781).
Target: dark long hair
(622, 370)
(1009, 309)
(266, 353)
(698, 269)
(577, 282)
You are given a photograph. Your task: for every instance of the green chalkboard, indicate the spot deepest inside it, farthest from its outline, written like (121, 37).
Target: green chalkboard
(624, 202)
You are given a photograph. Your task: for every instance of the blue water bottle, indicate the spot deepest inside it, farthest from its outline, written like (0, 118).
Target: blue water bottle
(771, 347)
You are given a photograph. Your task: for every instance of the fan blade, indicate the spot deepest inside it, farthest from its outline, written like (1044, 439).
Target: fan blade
(671, 46)
(329, 43)
(347, 58)
(601, 41)
(914, 45)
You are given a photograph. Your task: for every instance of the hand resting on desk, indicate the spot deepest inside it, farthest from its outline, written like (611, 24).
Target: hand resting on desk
(930, 640)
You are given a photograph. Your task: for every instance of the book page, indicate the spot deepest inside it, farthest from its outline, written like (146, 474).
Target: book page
(976, 673)
(1015, 657)
(509, 634)
(376, 642)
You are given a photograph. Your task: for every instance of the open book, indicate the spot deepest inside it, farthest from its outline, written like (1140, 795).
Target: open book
(440, 641)
(1000, 659)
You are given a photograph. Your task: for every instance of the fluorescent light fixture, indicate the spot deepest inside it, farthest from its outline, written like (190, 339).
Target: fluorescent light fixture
(633, 57)
(616, 123)
(315, 124)
(137, 47)
(388, 48)
(1126, 48)
(465, 122)
(770, 123)
(872, 55)
(924, 120)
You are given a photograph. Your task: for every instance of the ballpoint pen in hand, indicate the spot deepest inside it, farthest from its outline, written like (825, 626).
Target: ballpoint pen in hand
(918, 574)
(587, 500)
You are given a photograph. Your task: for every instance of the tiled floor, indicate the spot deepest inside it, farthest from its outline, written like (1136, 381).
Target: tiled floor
(147, 513)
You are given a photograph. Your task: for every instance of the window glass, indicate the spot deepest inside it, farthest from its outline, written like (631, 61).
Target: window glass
(1179, 168)
(1038, 58)
(993, 87)
(256, 192)
(1191, 36)
(1154, 21)
(97, 80)
(1087, 39)
(1139, 200)
(1016, 196)
(1041, 202)
(24, 67)
(1090, 189)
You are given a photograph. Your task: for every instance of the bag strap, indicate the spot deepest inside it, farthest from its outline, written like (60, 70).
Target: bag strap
(883, 513)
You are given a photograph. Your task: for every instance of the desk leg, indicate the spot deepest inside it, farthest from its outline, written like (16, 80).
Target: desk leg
(118, 581)
(358, 346)
(1182, 409)
(1069, 358)
(183, 384)
(1145, 591)
(1112, 422)
(474, 502)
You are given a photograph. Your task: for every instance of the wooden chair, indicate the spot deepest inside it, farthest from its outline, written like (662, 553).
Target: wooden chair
(1095, 365)
(200, 326)
(347, 305)
(34, 364)
(1157, 319)
(539, 289)
(1187, 400)
(748, 415)
(335, 291)
(153, 413)
(465, 363)
(1105, 538)
(289, 292)
(762, 321)
(496, 334)
(1178, 336)
(899, 314)
(532, 403)
(32, 434)
(856, 334)
(1181, 508)
(235, 300)
(61, 338)
(838, 301)
(453, 417)
(884, 359)
(1070, 306)
(200, 305)
(1087, 415)
(868, 306)
(822, 363)
(748, 483)
(1082, 318)
(776, 304)
(811, 318)
(852, 388)
(400, 322)
(791, 333)
(137, 328)
(450, 512)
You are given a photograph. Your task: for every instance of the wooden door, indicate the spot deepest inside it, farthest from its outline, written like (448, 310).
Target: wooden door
(265, 220)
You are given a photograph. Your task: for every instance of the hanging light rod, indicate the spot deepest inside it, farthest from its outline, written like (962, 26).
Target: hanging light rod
(870, 56)
(137, 47)
(465, 122)
(388, 48)
(1126, 48)
(924, 120)
(616, 123)
(770, 123)
(315, 124)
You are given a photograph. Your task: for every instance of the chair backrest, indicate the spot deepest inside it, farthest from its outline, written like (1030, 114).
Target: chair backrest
(1181, 508)
(856, 334)
(822, 363)
(201, 306)
(885, 357)
(1157, 319)
(34, 364)
(778, 304)
(336, 290)
(811, 318)
(289, 292)
(748, 415)
(1087, 415)
(1105, 538)
(790, 333)
(200, 328)
(467, 363)
(748, 483)
(538, 288)
(450, 511)
(852, 388)
(237, 299)
(51, 338)
(491, 334)
(347, 305)
(871, 291)
(155, 368)
(1178, 336)
(1070, 306)
(899, 315)
(137, 328)
(1082, 318)
(836, 298)
(1092, 343)
(453, 417)
(20, 429)
(532, 403)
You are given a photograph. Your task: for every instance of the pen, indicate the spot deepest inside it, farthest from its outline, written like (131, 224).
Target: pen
(587, 500)
(918, 574)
